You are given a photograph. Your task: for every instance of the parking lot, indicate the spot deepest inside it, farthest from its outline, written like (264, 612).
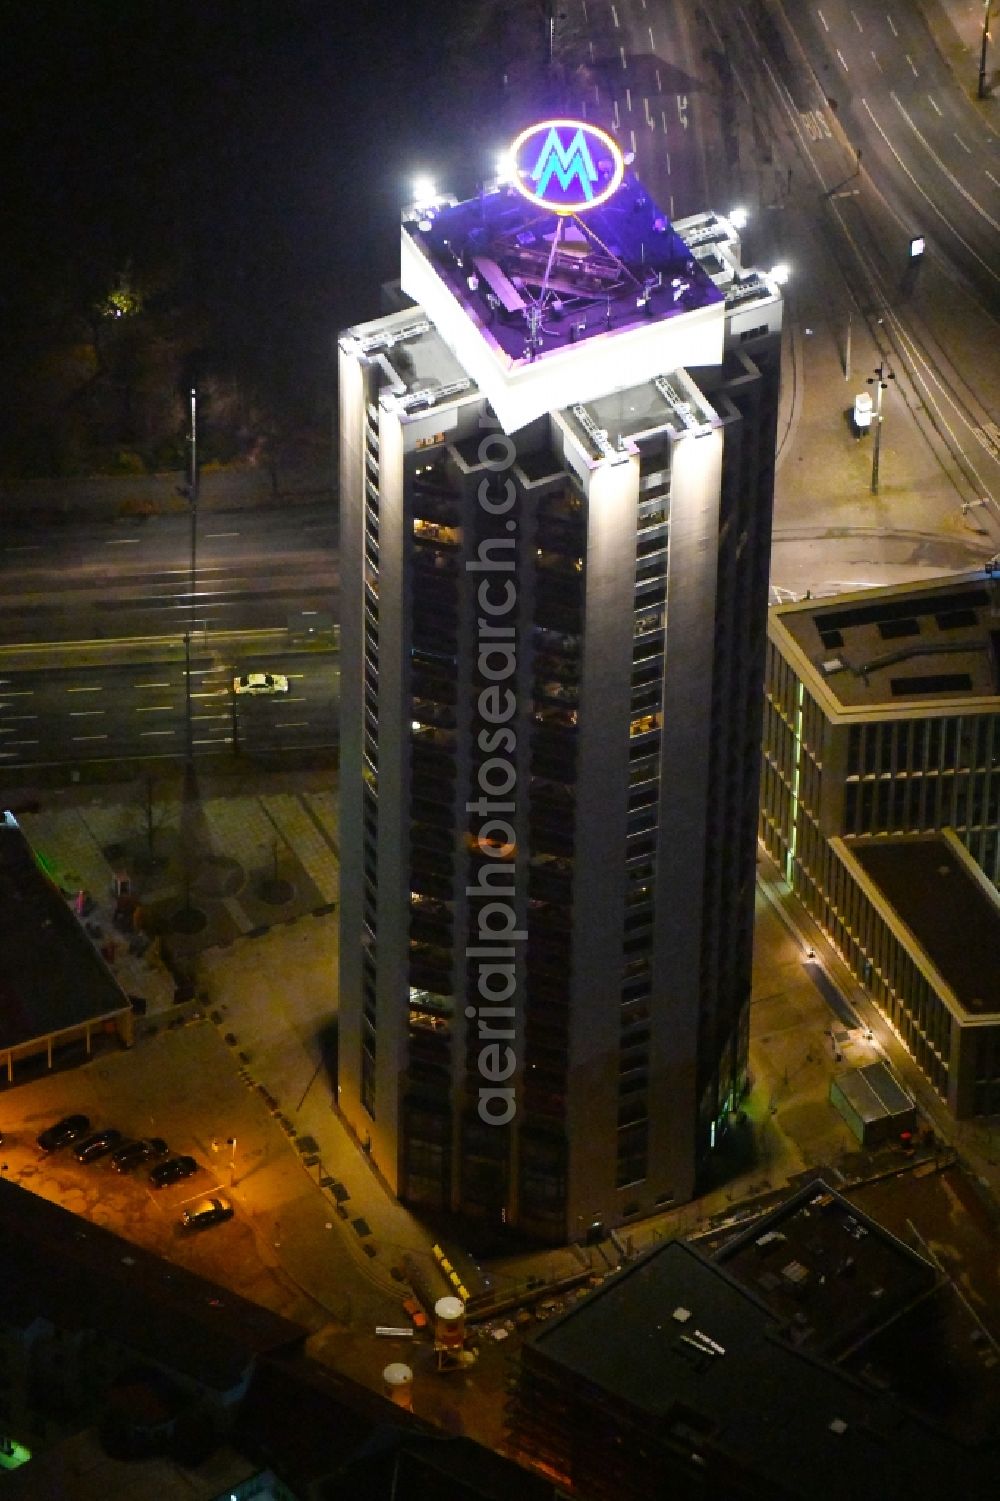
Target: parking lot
(180, 1086)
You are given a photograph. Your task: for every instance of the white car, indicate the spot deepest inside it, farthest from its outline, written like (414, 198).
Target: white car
(261, 682)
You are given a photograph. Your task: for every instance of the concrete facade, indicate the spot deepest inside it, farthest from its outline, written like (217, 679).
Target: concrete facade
(551, 650)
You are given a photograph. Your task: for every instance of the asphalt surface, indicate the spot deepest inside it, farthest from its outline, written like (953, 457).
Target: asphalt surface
(93, 581)
(65, 706)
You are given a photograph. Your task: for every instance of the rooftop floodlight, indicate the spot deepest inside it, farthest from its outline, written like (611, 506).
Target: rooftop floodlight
(738, 218)
(424, 190)
(780, 273)
(506, 167)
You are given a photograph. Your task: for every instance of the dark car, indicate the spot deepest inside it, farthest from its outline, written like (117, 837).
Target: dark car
(70, 1128)
(135, 1153)
(98, 1145)
(207, 1212)
(172, 1171)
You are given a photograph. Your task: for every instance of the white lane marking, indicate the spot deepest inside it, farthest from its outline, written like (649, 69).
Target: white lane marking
(876, 61)
(634, 146)
(671, 205)
(994, 223)
(219, 693)
(614, 16)
(617, 117)
(663, 117)
(624, 63)
(645, 105)
(659, 85)
(652, 42)
(822, 18)
(90, 737)
(892, 24)
(150, 685)
(841, 56)
(22, 742)
(20, 692)
(628, 100)
(226, 717)
(591, 46)
(682, 105)
(290, 724)
(211, 536)
(84, 690)
(122, 542)
(223, 740)
(913, 65)
(989, 174)
(935, 105)
(87, 713)
(145, 734)
(19, 718)
(25, 547)
(856, 21)
(958, 138)
(986, 267)
(157, 708)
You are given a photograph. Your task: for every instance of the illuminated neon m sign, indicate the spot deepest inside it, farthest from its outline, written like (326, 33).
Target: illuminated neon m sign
(566, 166)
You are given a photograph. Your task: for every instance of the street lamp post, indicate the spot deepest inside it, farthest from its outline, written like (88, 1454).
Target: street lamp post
(191, 490)
(880, 380)
(981, 91)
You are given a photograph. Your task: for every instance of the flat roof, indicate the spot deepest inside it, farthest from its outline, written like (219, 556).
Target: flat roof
(546, 310)
(77, 1275)
(831, 1275)
(932, 885)
(51, 976)
(492, 252)
(802, 1425)
(874, 1092)
(908, 644)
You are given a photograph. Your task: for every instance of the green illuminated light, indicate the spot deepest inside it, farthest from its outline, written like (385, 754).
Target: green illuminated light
(796, 779)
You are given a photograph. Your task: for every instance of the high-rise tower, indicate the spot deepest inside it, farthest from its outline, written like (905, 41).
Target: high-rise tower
(556, 494)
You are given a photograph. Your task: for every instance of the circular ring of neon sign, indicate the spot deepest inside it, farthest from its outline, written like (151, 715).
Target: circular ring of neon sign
(566, 163)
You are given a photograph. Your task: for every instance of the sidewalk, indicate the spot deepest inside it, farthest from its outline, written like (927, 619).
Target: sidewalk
(265, 975)
(957, 28)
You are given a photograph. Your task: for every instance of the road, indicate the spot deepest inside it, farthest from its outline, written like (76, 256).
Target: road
(67, 705)
(936, 156)
(93, 581)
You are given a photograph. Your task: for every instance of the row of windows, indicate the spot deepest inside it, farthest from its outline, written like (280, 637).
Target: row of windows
(967, 742)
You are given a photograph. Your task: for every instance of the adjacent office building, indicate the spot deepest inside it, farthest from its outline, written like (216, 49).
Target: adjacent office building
(882, 716)
(556, 491)
(882, 729)
(792, 1363)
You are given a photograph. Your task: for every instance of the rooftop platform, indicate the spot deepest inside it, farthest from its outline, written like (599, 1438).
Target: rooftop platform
(546, 310)
(935, 888)
(906, 646)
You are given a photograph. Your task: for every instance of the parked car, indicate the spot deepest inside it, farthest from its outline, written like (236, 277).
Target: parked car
(70, 1128)
(207, 1212)
(172, 1171)
(261, 682)
(135, 1153)
(98, 1145)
